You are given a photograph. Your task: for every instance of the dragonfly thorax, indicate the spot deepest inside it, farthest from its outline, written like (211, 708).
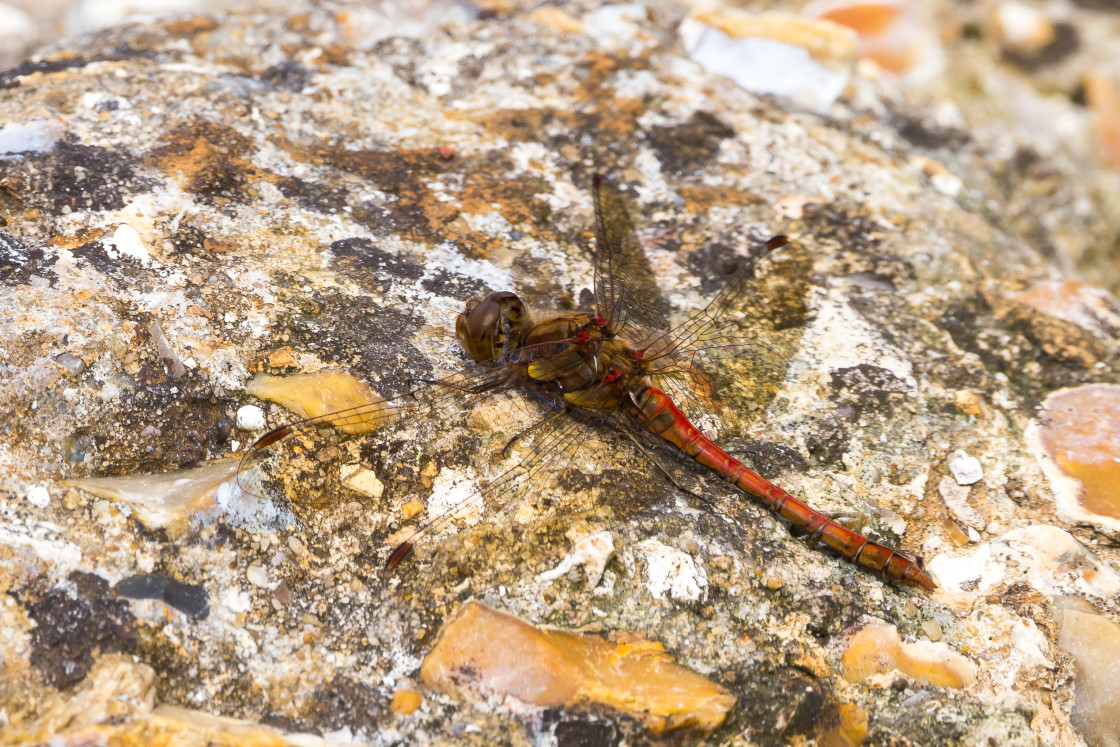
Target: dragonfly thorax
(580, 358)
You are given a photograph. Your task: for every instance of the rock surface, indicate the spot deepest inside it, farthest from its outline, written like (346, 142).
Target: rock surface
(188, 203)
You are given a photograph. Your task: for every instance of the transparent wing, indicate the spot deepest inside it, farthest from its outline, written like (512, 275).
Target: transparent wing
(733, 353)
(558, 468)
(299, 458)
(626, 292)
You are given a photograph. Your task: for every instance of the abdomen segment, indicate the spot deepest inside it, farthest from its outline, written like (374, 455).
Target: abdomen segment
(666, 420)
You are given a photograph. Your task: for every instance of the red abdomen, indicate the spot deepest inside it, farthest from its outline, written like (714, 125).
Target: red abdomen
(663, 417)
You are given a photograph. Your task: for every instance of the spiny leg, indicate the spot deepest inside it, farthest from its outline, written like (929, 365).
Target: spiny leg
(486, 386)
(548, 420)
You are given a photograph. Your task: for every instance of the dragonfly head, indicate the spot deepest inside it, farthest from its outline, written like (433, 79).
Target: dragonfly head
(487, 326)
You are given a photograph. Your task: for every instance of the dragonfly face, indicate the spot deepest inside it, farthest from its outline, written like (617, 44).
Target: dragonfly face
(488, 326)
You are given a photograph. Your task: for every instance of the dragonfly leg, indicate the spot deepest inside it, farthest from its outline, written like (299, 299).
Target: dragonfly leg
(854, 520)
(542, 422)
(750, 453)
(857, 521)
(485, 386)
(665, 470)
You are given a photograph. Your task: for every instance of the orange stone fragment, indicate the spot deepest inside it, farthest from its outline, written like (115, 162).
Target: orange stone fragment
(359, 409)
(878, 649)
(850, 732)
(191, 26)
(405, 702)
(282, 357)
(484, 652)
(890, 33)
(1081, 433)
(870, 19)
(1085, 305)
(1103, 96)
(968, 402)
(553, 17)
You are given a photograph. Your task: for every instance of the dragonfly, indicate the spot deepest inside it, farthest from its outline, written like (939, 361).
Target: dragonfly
(620, 367)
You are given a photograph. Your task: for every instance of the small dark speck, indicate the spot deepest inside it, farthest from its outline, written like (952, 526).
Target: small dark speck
(189, 599)
(224, 428)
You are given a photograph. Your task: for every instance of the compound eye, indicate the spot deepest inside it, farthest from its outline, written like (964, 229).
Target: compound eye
(477, 329)
(482, 319)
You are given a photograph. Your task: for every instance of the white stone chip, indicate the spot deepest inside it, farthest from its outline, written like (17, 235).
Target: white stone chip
(257, 575)
(15, 25)
(592, 552)
(250, 418)
(362, 479)
(126, 241)
(236, 601)
(763, 65)
(956, 499)
(33, 136)
(966, 469)
(37, 495)
(672, 572)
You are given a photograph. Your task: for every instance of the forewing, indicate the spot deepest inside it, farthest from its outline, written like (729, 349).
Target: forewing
(304, 460)
(626, 292)
(558, 469)
(734, 352)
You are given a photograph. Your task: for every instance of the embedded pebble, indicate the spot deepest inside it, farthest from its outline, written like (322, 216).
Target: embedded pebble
(405, 702)
(1094, 642)
(1023, 28)
(361, 479)
(966, 469)
(672, 573)
(956, 500)
(592, 553)
(411, 508)
(1079, 430)
(877, 649)
(37, 495)
(34, 136)
(250, 418)
(772, 55)
(71, 363)
(257, 575)
(932, 630)
(328, 391)
(190, 599)
(165, 500)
